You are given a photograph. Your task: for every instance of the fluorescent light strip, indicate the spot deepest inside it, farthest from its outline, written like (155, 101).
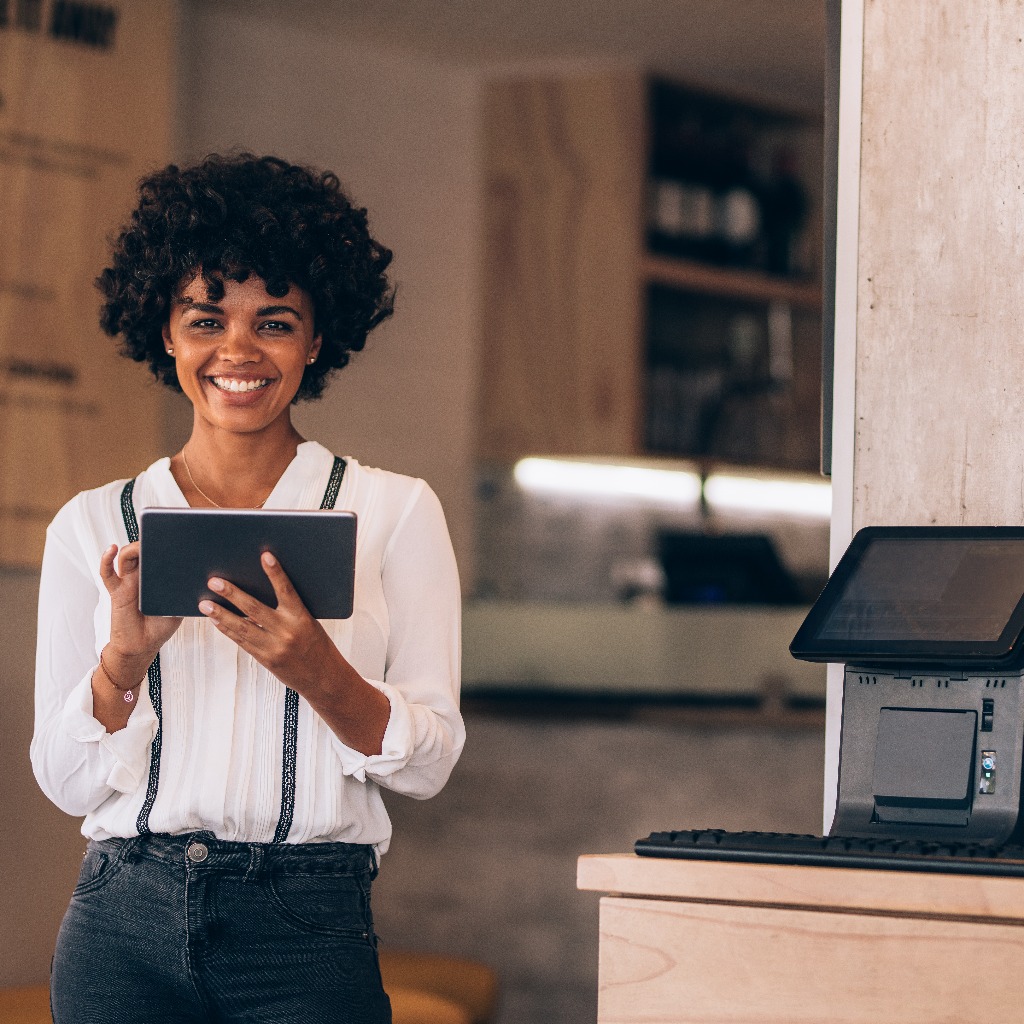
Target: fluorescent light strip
(750, 494)
(723, 491)
(594, 479)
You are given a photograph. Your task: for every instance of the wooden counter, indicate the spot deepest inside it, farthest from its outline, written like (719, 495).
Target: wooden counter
(707, 941)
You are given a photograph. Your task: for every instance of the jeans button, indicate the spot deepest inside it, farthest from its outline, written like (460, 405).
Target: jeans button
(197, 852)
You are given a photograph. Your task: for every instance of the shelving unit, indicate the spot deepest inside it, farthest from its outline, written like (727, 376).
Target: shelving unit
(569, 366)
(732, 319)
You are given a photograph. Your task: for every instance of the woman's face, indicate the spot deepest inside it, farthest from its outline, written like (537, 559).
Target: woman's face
(240, 359)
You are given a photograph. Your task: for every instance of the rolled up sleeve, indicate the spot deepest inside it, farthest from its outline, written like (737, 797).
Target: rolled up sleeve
(425, 732)
(76, 762)
(127, 749)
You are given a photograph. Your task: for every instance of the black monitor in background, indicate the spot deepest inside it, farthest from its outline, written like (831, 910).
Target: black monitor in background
(736, 568)
(929, 623)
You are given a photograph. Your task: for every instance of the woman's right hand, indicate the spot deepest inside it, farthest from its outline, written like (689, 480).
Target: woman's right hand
(135, 639)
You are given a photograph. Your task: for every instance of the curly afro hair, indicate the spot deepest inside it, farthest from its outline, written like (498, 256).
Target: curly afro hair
(227, 218)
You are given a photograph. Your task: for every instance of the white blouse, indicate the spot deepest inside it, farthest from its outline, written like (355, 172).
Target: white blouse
(221, 749)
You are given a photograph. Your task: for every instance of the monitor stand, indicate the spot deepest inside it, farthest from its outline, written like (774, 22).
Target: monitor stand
(930, 756)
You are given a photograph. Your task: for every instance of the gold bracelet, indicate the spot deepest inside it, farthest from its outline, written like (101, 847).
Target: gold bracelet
(127, 691)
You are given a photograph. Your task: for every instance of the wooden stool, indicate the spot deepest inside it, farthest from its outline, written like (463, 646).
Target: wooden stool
(411, 1006)
(468, 984)
(27, 1005)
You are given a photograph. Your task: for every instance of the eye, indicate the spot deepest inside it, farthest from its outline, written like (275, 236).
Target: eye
(277, 325)
(205, 323)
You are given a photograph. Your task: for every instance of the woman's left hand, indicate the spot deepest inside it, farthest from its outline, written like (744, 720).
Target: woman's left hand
(287, 640)
(295, 647)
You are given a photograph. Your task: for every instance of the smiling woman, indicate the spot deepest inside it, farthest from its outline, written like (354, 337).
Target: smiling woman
(228, 219)
(240, 362)
(229, 766)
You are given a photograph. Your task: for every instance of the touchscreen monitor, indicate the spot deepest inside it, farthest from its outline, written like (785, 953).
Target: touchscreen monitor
(949, 594)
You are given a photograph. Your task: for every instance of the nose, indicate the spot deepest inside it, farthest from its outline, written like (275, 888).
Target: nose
(239, 344)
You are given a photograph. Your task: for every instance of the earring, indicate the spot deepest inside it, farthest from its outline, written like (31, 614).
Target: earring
(311, 360)
(170, 350)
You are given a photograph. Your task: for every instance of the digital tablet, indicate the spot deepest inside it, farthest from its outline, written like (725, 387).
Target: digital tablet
(183, 547)
(921, 594)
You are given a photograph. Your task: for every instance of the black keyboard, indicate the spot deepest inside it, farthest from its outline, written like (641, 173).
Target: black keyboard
(835, 851)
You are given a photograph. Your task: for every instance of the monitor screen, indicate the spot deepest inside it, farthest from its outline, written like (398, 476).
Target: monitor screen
(900, 593)
(730, 568)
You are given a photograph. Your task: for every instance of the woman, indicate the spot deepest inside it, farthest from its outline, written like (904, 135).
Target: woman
(228, 766)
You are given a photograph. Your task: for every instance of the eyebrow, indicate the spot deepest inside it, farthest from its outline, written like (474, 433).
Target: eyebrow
(210, 307)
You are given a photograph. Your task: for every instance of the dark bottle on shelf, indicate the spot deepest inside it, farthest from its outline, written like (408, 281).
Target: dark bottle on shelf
(784, 207)
(703, 200)
(682, 219)
(739, 206)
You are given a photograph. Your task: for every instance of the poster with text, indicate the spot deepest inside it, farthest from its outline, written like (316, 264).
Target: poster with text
(85, 110)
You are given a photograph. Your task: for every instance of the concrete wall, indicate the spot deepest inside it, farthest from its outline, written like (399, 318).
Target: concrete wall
(940, 289)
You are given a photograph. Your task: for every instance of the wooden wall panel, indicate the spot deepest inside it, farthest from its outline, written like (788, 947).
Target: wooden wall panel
(940, 354)
(85, 110)
(564, 166)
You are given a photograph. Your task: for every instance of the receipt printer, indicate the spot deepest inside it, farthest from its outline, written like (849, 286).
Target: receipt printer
(928, 622)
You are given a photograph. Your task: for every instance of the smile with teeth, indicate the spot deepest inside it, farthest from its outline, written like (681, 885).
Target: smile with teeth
(234, 384)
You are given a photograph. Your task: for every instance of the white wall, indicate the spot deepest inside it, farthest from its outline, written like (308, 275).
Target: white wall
(400, 132)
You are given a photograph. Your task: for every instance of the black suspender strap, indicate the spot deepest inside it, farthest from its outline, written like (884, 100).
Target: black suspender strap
(131, 526)
(333, 484)
(291, 699)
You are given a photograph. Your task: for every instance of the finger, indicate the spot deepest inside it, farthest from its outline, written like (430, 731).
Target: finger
(128, 560)
(246, 633)
(243, 632)
(248, 605)
(283, 589)
(107, 571)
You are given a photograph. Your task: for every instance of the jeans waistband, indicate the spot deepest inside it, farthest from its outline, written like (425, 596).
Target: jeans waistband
(202, 849)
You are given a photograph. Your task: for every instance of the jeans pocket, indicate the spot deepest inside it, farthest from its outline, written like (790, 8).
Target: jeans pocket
(98, 867)
(336, 905)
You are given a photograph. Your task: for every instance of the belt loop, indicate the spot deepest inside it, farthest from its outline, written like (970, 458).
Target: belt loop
(127, 854)
(255, 862)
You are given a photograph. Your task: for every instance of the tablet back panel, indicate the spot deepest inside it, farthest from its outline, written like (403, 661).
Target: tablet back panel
(183, 548)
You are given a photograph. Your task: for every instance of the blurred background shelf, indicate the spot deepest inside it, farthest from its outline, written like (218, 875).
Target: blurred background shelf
(729, 282)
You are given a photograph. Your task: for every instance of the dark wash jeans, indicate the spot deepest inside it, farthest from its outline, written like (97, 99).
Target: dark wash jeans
(192, 929)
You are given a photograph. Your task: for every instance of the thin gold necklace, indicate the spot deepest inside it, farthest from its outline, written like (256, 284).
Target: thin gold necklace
(192, 481)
